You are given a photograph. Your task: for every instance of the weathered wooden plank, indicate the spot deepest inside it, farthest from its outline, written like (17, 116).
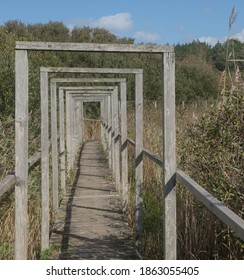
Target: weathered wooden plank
(34, 158)
(44, 161)
(21, 154)
(102, 111)
(88, 80)
(92, 47)
(131, 142)
(152, 157)
(68, 132)
(91, 70)
(87, 88)
(6, 183)
(124, 149)
(62, 142)
(54, 139)
(139, 159)
(169, 157)
(109, 131)
(116, 139)
(213, 204)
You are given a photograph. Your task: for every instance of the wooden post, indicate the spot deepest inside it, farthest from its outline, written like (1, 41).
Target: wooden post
(79, 124)
(109, 132)
(21, 154)
(62, 142)
(102, 108)
(82, 122)
(113, 133)
(116, 139)
(169, 156)
(68, 133)
(45, 161)
(139, 158)
(124, 149)
(54, 139)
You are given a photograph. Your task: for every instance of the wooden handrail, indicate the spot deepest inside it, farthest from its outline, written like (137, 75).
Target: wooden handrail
(213, 204)
(9, 180)
(226, 215)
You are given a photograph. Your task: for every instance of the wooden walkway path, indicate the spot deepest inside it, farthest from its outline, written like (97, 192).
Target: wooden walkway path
(90, 223)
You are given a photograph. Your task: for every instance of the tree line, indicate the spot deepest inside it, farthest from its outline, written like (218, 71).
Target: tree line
(198, 65)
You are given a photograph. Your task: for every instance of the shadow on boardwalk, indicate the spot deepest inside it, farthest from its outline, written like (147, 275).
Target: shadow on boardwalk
(90, 223)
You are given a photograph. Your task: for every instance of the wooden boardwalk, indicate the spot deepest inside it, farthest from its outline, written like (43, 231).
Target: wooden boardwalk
(90, 223)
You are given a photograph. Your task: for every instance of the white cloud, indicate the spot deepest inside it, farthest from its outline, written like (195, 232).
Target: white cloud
(214, 40)
(119, 22)
(147, 37)
(239, 36)
(210, 40)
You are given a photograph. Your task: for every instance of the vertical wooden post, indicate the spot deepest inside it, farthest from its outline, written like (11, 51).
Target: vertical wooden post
(75, 110)
(44, 161)
(79, 124)
(124, 149)
(21, 154)
(82, 122)
(113, 132)
(105, 124)
(72, 131)
(68, 132)
(102, 109)
(62, 141)
(54, 138)
(169, 156)
(139, 157)
(116, 140)
(109, 132)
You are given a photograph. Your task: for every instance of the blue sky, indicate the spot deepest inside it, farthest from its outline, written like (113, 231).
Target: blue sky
(154, 21)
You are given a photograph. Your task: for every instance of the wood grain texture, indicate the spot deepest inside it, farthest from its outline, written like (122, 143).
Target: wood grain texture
(92, 47)
(44, 161)
(21, 154)
(169, 157)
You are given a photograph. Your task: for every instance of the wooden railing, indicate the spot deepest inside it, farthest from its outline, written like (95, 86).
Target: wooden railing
(226, 215)
(10, 179)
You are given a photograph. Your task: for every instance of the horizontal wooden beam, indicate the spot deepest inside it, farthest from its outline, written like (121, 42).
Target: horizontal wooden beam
(131, 142)
(92, 47)
(88, 80)
(91, 70)
(6, 183)
(90, 88)
(152, 157)
(213, 204)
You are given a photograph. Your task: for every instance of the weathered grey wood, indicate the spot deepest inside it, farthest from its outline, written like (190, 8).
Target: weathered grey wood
(109, 116)
(116, 139)
(124, 149)
(45, 161)
(139, 159)
(91, 70)
(213, 204)
(169, 157)
(88, 80)
(34, 158)
(71, 136)
(131, 142)
(92, 47)
(6, 184)
(87, 88)
(54, 138)
(21, 154)
(152, 157)
(68, 133)
(62, 142)
(102, 109)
